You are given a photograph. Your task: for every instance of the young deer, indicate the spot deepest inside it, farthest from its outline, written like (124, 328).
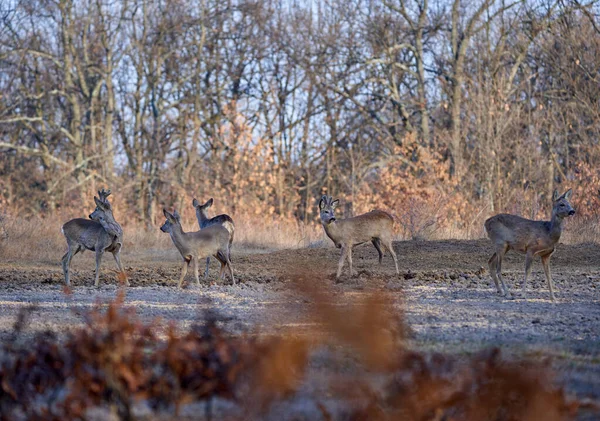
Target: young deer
(211, 241)
(100, 234)
(533, 238)
(375, 226)
(204, 221)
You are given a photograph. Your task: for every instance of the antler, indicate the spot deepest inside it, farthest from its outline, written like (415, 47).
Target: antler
(103, 194)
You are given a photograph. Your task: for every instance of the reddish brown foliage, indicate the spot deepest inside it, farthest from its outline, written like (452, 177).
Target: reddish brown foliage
(275, 369)
(115, 360)
(484, 387)
(423, 386)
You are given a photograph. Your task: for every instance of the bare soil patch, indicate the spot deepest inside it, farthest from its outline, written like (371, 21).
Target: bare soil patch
(443, 287)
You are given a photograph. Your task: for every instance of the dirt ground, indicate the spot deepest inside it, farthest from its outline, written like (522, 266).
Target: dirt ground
(443, 286)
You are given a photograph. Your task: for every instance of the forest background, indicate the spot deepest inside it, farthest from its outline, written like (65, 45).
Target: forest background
(441, 112)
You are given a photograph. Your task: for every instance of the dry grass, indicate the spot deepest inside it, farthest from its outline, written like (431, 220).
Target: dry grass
(579, 229)
(272, 233)
(41, 240)
(30, 239)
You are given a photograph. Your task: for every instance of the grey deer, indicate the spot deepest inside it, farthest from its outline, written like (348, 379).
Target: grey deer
(375, 226)
(102, 234)
(109, 225)
(204, 221)
(532, 238)
(211, 241)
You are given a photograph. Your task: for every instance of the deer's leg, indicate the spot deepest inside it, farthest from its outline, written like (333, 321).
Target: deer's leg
(349, 257)
(341, 263)
(196, 270)
(99, 254)
(493, 263)
(66, 261)
(528, 262)
(500, 255)
(224, 264)
(388, 245)
(117, 256)
(221, 258)
(227, 255)
(377, 243)
(546, 264)
(207, 265)
(184, 269)
(222, 270)
(230, 269)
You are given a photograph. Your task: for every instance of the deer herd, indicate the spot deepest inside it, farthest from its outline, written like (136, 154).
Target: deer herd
(102, 233)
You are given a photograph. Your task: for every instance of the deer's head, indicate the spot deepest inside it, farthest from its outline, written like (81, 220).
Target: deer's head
(202, 208)
(173, 219)
(561, 206)
(327, 209)
(103, 211)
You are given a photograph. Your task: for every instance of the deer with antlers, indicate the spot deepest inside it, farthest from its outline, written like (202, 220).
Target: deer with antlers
(101, 233)
(375, 226)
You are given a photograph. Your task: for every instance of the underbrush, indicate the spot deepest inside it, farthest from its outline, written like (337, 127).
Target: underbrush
(116, 362)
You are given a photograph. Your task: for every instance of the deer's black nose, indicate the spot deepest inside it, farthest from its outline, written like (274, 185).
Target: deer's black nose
(571, 212)
(90, 216)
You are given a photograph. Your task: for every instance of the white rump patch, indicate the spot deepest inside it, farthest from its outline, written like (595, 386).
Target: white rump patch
(229, 227)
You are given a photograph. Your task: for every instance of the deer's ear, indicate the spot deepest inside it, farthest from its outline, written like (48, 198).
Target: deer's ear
(335, 203)
(568, 194)
(209, 203)
(195, 203)
(99, 203)
(167, 215)
(555, 196)
(176, 216)
(322, 202)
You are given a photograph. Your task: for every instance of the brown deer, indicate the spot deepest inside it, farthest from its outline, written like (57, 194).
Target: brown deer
(211, 241)
(532, 238)
(375, 226)
(103, 233)
(204, 221)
